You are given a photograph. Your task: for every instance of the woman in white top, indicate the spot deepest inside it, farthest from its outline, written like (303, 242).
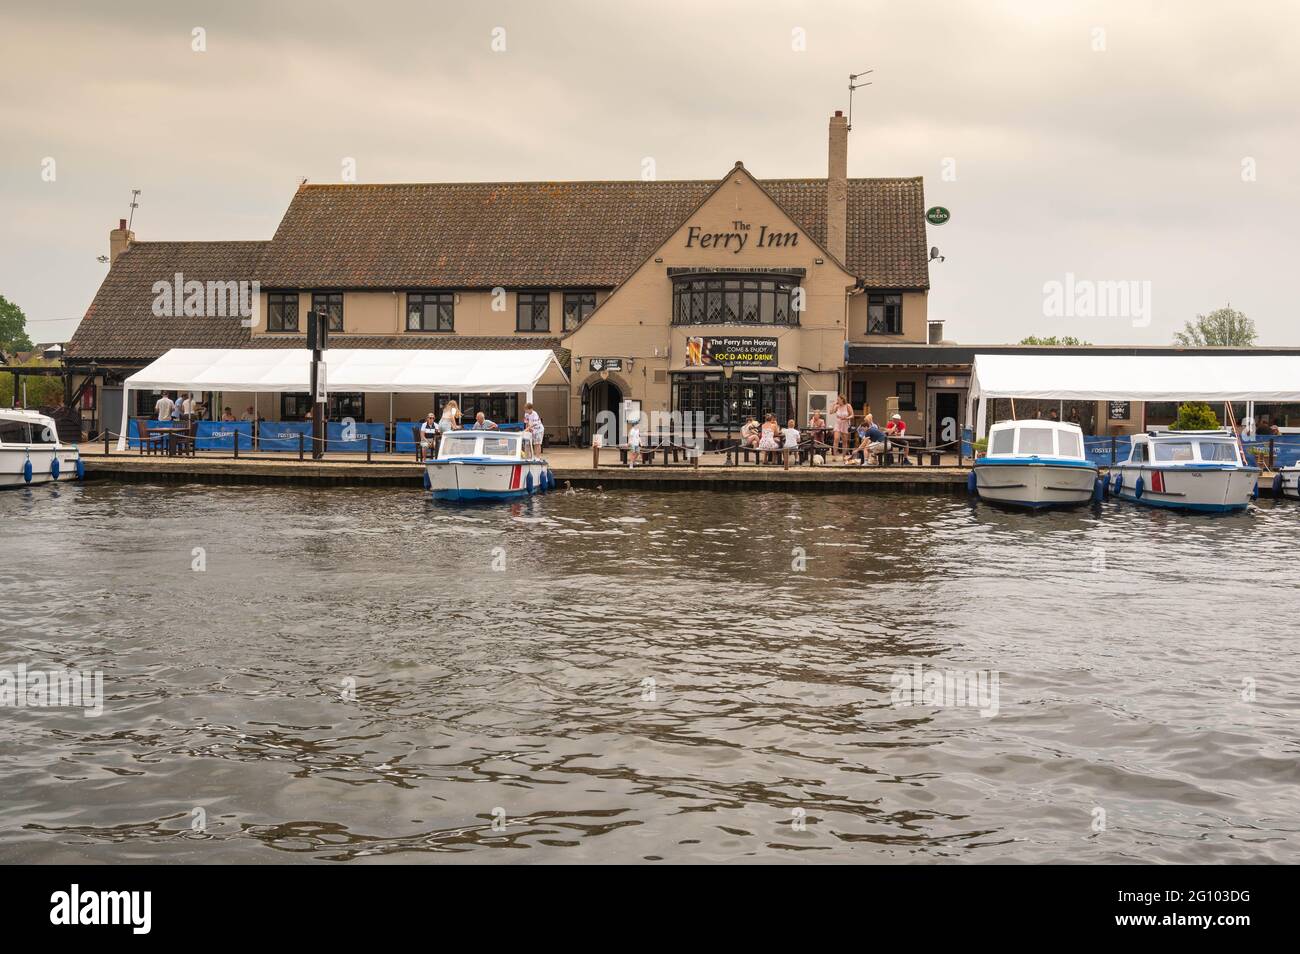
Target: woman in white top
(450, 417)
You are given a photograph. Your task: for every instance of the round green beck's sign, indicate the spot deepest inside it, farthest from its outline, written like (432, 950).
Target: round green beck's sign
(937, 215)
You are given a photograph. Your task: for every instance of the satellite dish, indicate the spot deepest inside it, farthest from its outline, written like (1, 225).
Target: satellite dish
(934, 253)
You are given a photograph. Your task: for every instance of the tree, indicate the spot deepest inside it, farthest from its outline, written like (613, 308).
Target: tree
(1195, 416)
(13, 328)
(1065, 341)
(1223, 327)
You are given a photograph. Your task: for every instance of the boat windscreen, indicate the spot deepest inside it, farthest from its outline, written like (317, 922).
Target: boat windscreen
(1218, 451)
(499, 447)
(1173, 451)
(1071, 444)
(1002, 441)
(1036, 440)
(453, 444)
(26, 432)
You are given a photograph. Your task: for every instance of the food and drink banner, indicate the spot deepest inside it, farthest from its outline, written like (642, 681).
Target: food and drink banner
(720, 352)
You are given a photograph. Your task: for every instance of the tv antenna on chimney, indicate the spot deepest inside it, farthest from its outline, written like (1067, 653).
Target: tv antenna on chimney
(135, 194)
(854, 84)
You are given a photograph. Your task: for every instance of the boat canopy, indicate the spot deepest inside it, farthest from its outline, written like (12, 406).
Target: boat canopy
(397, 371)
(1165, 377)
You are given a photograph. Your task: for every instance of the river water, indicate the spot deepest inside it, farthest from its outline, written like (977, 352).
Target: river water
(295, 675)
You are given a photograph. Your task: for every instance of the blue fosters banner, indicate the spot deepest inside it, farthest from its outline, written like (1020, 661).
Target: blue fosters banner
(283, 435)
(133, 432)
(351, 438)
(220, 435)
(405, 436)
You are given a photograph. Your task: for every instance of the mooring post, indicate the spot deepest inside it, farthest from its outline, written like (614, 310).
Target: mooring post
(595, 455)
(1112, 450)
(105, 441)
(300, 436)
(236, 443)
(368, 449)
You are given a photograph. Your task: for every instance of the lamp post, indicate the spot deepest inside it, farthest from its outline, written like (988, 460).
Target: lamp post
(318, 325)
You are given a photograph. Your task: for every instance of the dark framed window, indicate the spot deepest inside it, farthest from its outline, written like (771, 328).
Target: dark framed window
(721, 300)
(297, 407)
(282, 311)
(858, 393)
(884, 313)
(577, 307)
(497, 408)
(533, 311)
(906, 391)
(430, 311)
(728, 403)
(332, 304)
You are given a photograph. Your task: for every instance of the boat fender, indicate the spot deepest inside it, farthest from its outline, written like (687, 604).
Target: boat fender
(1277, 485)
(1099, 490)
(971, 482)
(81, 469)
(27, 469)
(529, 482)
(1117, 484)
(1254, 491)
(54, 466)
(428, 484)
(548, 482)
(1138, 488)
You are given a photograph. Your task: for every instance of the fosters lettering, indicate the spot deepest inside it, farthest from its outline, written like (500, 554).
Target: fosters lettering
(711, 352)
(738, 239)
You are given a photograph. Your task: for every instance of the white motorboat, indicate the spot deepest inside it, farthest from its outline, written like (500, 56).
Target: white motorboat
(1035, 464)
(30, 450)
(1286, 482)
(1186, 470)
(486, 465)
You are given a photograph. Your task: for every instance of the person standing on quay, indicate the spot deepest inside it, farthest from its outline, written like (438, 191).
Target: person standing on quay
(163, 409)
(533, 424)
(843, 414)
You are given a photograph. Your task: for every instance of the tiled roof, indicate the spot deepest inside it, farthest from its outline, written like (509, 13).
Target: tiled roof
(120, 323)
(470, 235)
(555, 234)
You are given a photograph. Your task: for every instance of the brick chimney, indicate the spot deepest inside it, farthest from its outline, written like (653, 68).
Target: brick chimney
(119, 240)
(837, 187)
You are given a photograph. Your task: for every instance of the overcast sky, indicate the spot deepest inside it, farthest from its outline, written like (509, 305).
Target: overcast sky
(1130, 141)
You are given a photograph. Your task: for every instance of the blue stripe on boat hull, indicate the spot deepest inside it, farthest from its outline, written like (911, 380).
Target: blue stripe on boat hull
(1171, 505)
(460, 495)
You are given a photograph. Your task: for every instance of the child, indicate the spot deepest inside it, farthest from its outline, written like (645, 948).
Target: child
(634, 445)
(791, 435)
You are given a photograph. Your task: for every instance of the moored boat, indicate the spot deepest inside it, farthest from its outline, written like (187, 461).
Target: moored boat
(1286, 482)
(30, 450)
(1035, 464)
(1186, 470)
(486, 465)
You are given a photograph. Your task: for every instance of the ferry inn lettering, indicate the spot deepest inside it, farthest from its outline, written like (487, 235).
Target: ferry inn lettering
(737, 240)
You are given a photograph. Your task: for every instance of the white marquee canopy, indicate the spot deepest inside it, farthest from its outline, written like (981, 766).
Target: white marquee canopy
(1165, 377)
(400, 371)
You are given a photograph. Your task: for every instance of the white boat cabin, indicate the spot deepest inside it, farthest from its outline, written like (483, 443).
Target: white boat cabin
(1050, 439)
(494, 445)
(26, 429)
(1185, 448)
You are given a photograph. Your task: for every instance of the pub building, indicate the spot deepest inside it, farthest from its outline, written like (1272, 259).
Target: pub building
(727, 297)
